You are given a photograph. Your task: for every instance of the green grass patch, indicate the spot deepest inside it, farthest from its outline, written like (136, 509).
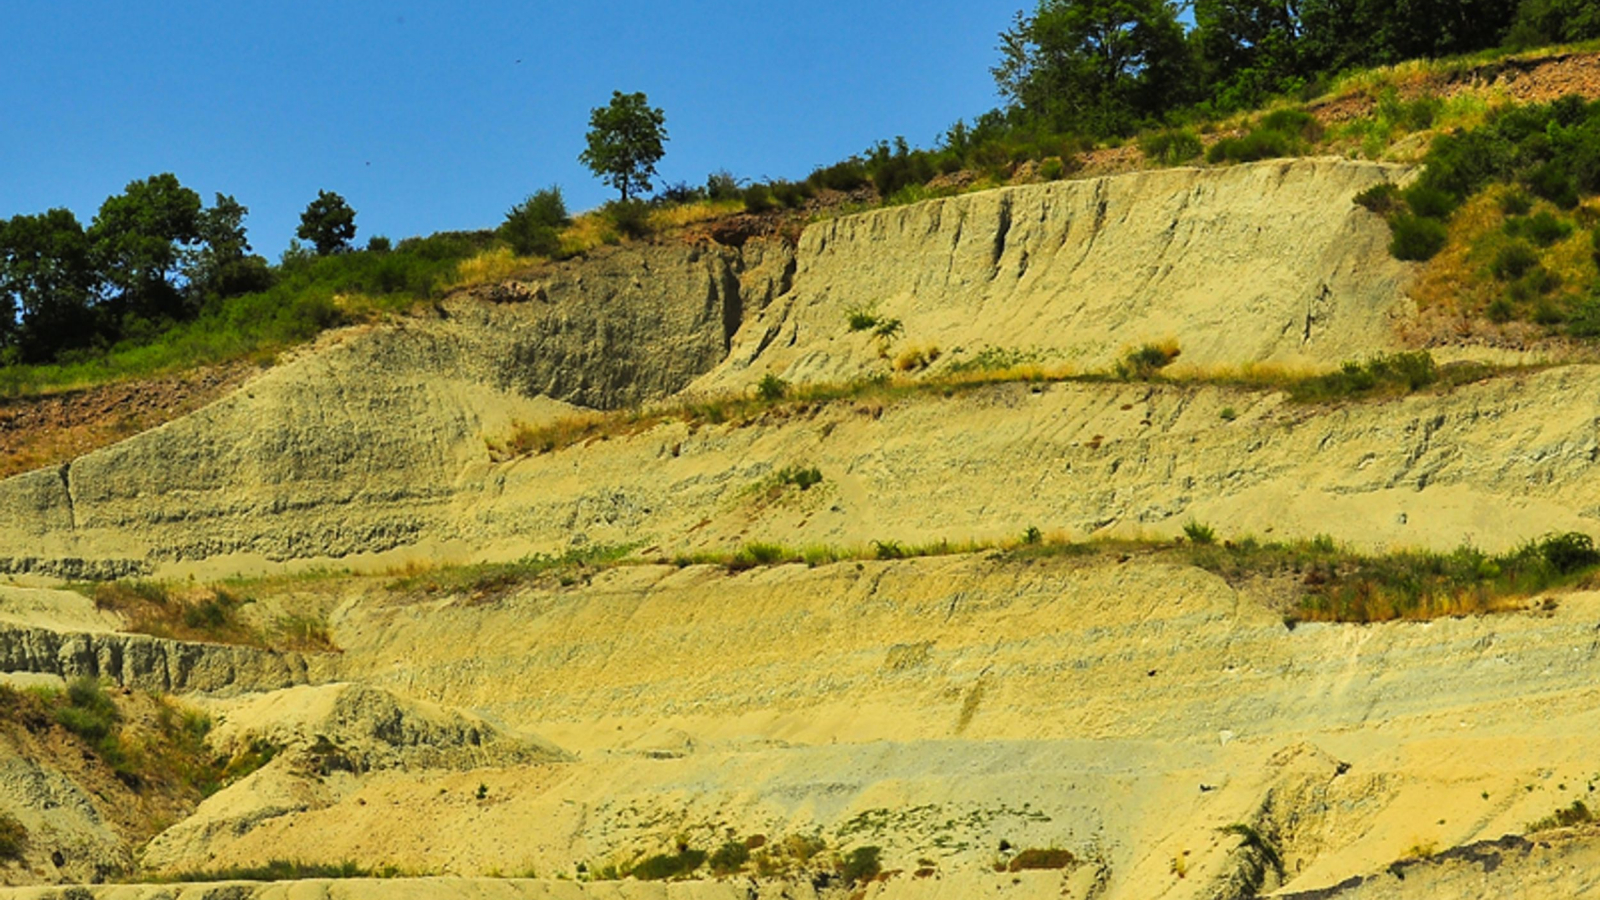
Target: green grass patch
(483, 581)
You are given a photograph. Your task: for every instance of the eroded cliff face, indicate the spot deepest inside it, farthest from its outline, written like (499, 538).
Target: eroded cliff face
(1268, 262)
(378, 443)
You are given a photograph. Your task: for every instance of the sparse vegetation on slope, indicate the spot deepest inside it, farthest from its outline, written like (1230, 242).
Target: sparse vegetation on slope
(210, 614)
(1377, 377)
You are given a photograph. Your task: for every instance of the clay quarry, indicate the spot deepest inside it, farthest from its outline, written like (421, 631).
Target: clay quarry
(535, 617)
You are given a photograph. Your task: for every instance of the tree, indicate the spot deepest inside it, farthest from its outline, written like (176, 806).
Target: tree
(137, 240)
(1249, 49)
(625, 141)
(1342, 34)
(1540, 22)
(532, 226)
(47, 277)
(1097, 67)
(328, 223)
(222, 265)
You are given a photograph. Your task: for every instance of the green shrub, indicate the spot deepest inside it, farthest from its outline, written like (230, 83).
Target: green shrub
(13, 837)
(1145, 361)
(1382, 199)
(664, 866)
(1255, 146)
(1567, 553)
(1584, 320)
(861, 865)
(1294, 122)
(1052, 169)
(89, 712)
(1036, 858)
(1171, 146)
(730, 858)
(757, 199)
(1553, 181)
(800, 477)
(1032, 535)
(847, 175)
(721, 185)
(1576, 814)
(1515, 203)
(1513, 261)
(1397, 373)
(631, 218)
(758, 553)
(1429, 202)
(532, 227)
(1543, 229)
(1416, 239)
(889, 550)
(861, 319)
(792, 195)
(772, 388)
(1199, 533)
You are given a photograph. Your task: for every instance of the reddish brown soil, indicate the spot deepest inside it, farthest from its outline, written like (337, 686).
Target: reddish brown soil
(45, 430)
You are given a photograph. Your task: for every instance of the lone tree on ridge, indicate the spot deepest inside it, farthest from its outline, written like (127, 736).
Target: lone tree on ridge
(625, 139)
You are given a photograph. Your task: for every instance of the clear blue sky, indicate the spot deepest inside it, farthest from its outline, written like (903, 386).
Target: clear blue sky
(422, 116)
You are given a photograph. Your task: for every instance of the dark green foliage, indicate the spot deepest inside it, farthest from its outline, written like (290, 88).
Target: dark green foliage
(1553, 181)
(1566, 553)
(48, 277)
(1542, 22)
(328, 223)
(889, 550)
(137, 240)
(1199, 532)
(861, 865)
(800, 477)
(1383, 199)
(1584, 319)
(861, 319)
(13, 837)
(1416, 238)
(1576, 814)
(1284, 132)
(771, 387)
(757, 199)
(1171, 146)
(1515, 203)
(1096, 67)
(847, 175)
(892, 168)
(791, 194)
(1544, 229)
(379, 244)
(1398, 373)
(664, 866)
(281, 870)
(533, 227)
(1430, 202)
(631, 217)
(1145, 361)
(625, 142)
(721, 185)
(730, 858)
(89, 713)
(1257, 145)
(1036, 858)
(1513, 261)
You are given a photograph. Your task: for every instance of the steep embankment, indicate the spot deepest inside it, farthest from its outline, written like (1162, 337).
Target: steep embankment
(369, 440)
(1266, 262)
(378, 442)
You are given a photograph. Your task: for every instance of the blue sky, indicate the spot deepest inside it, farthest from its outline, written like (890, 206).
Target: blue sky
(421, 115)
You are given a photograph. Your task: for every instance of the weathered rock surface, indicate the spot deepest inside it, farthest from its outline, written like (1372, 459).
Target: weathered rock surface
(378, 443)
(1122, 711)
(1268, 262)
(147, 663)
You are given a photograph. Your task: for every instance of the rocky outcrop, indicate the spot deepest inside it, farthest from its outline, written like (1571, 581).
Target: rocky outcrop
(146, 663)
